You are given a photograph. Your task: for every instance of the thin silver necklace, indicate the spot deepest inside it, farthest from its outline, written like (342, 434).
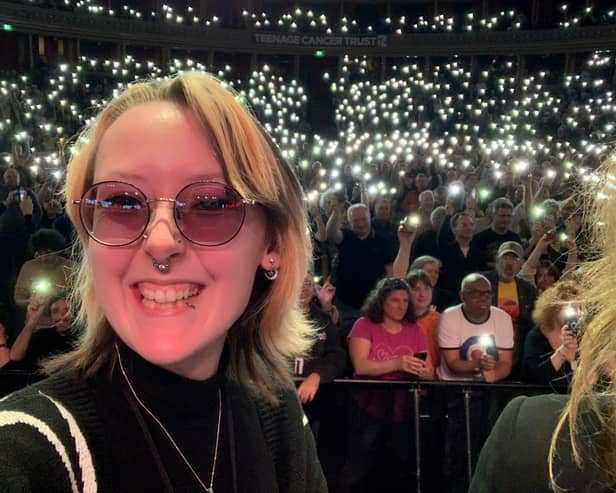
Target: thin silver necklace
(168, 435)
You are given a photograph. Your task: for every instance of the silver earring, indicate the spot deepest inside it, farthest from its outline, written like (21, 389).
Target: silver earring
(271, 273)
(162, 267)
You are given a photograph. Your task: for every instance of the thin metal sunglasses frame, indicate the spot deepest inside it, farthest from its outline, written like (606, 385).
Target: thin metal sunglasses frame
(175, 202)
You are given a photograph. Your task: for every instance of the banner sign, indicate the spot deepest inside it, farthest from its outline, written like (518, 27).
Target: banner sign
(321, 40)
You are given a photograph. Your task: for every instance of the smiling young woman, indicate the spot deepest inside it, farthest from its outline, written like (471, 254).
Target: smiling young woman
(192, 232)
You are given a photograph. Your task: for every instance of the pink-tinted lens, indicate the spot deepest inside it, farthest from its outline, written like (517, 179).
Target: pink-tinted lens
(114, 213)
(209, 213)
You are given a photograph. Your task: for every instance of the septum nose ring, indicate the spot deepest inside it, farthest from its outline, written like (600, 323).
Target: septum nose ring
(163, 267)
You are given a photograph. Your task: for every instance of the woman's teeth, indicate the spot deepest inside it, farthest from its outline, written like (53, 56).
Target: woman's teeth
(167, 296)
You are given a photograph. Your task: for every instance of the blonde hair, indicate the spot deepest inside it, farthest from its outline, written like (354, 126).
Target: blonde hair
(552, 301)
(272, 329)
(598, 345)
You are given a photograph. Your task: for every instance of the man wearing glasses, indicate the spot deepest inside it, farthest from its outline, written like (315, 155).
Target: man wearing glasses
(475, 338)
(476, 342)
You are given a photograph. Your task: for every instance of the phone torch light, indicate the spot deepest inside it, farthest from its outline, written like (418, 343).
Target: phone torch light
(570, 313)
(484, 193)
(520, 166)
(563, 237)
(412, 220)
(42, 286)
(538, 212)
(455, 190)
(486, 341)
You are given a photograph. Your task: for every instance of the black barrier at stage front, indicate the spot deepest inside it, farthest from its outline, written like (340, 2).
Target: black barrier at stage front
(495, 397)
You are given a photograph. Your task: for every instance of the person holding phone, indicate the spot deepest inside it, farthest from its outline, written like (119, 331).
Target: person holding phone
(12, 194)
(194, 250)
(476, 343)
(19, 218)
(385, 344)
(463, 355)
(425, 312)
(551, 346)
(556, 443)
(35, 343)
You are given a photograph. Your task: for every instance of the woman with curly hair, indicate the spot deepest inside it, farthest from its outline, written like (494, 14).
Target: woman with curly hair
(550, 348)
(385, 344)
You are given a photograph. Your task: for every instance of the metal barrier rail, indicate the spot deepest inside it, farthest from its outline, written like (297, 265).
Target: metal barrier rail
(466, 388)
(447, 383)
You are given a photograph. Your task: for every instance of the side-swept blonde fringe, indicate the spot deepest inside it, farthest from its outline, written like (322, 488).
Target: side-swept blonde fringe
(597, 363)
(272, 329)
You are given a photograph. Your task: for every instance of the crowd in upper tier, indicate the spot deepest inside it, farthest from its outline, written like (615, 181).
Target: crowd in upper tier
(402, 19)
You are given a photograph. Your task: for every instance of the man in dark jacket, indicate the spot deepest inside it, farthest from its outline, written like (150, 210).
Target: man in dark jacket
(499, 231)
(513, 295)
(459, 257)
(363, 258)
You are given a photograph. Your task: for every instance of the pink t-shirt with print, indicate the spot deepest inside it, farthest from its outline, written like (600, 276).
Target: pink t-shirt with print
(385, 346)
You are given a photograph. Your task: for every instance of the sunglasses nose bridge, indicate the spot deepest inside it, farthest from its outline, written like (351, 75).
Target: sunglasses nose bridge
(162, 210)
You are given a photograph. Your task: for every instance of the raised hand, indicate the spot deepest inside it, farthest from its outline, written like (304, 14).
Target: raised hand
(325, 293)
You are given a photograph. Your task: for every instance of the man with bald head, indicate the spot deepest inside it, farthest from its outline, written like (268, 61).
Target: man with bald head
(363, 258)
(475, 338)
(476, 343)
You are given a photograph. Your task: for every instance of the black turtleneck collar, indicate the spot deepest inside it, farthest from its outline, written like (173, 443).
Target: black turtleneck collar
(168, 395)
